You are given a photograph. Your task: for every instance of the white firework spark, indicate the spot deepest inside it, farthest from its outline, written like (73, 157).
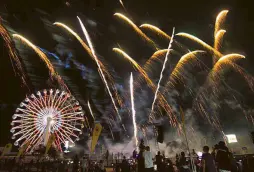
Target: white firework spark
(90, 109)
(99, 66)
(163, 68)
(45, 113)
(133, 110)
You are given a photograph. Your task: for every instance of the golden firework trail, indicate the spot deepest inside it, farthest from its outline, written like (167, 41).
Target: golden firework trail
(219, 21)
(213, 82)
(162, 70)
(13, 54)
(44, 58)
(83, 44)
(135, 27)
(99, 66)
(89, 51)
(176, 73)
(90, 109)
(136, 65)
(162, 34)
(133, 110)
(155, 29)
(218, 39)
(162, 100)
(199, 41)
(76, 36)
(225, 60)
(155, 56)
(232, 56)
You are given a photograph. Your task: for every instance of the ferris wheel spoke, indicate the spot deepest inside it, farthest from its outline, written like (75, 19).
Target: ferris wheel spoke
(26, 135)
(36, 143)
(70, 126)
(52, 103)
(17, 121)
(61, 102)
(28, 113)
(20, 115)
(57, 142)
(23, 126)
(36, 111)
(70, 132)
(72, 119)
(63, 139)
(38, 101)
(58, 101)
(25, 130)
(36, 140)
(71, 114)
(62, 109)
(63, 133)
(33, 104)
(32, 137)
(42, 100)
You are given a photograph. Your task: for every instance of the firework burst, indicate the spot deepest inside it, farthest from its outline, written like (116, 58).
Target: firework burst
(45, 59)
(13, 54)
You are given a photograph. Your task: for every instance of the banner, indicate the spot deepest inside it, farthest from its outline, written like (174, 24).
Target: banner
(96, 134)
(7, 149)
(22, 149)
(50, 142)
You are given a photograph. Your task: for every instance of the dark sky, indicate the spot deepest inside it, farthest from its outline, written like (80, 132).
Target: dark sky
(196, 17)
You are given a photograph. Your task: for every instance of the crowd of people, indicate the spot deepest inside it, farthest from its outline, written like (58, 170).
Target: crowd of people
(219, 159)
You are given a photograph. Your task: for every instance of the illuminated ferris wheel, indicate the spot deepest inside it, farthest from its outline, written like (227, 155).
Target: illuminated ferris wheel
(46, 113)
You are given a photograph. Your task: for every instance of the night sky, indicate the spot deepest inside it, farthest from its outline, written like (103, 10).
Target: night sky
(196, 17)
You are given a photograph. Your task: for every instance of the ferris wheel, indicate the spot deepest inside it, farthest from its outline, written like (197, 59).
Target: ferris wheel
(46, 113)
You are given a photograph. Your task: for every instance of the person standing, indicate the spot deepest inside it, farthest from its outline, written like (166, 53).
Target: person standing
(75, 164)
(207, 162)
(158, 161)
(83, 164)
(140, 159)
(148, 160)
(183, 165)
(101, 166)
(125, 165)
(222, 158)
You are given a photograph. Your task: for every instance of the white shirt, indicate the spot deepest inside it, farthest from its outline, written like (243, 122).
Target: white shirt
(148, 159)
